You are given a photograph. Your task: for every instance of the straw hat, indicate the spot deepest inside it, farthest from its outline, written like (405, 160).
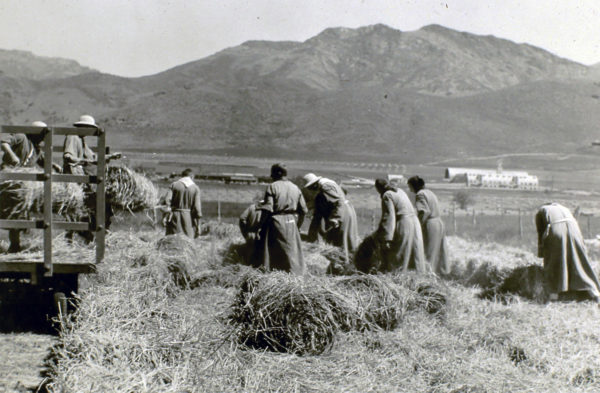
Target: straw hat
(86, 121)
(310, 179)
(38, 123)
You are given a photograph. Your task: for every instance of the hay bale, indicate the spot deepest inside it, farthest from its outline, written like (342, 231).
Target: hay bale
(316, 262)
(220, 230)
(180, 255)
(287, 313)
(129, 190)
(367, 258)
(227, 277)
(525, 281)
(431, 298)
(25, 199)
(379, 302)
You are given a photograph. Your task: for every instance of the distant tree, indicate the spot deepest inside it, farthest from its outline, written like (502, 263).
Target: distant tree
(463, 199)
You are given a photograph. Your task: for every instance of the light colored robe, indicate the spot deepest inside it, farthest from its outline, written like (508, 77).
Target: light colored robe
(186, 207)
(331, 204)
(434, 233)
(400, 226)
(75, 148)
(280, 238)
(560, 243)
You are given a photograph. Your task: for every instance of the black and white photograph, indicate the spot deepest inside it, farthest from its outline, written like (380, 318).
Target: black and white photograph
(299, 196)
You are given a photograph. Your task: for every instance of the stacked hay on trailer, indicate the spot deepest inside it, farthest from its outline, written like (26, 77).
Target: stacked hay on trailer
(25, 199)
(130, 190)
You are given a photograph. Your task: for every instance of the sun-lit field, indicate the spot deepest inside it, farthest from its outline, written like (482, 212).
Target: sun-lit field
(174, 315)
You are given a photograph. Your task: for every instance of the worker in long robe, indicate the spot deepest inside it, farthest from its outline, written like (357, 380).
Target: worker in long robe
(79, 159)
(334, 219)
(250, 223)
(20, 151)
(284, 209)
(185, 206)
(434, 233)
(567, 269)
(399, 231)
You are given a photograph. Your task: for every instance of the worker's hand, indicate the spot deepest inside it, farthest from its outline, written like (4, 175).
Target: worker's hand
(253, 236)
(15, 161)
(387, 245)
(114, 156)
(334, 223)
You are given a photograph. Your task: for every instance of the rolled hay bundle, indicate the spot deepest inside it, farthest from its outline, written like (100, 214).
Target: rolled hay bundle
(181, 257)
(525, 281)
(220, 230)
(24, 199)
(287, 313)
(129, 190)
(319, 257)
(379, 301)
(431, 294)
(367, 258)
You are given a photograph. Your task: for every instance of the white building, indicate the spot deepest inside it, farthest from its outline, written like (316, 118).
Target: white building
(492, 178)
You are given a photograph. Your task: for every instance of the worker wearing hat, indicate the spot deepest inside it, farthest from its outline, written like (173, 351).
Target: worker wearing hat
(283, 209)
(334, 219)
(79, 159)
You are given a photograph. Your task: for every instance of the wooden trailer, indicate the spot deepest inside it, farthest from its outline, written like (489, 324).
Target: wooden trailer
(55, 278)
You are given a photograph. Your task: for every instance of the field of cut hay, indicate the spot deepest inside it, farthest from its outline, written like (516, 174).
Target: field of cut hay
(175, 315)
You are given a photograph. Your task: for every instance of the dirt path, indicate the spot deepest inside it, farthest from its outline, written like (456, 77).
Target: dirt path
(21, 360)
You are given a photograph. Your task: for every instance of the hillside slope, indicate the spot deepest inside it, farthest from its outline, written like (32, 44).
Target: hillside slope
(22, 64)
(368, 92)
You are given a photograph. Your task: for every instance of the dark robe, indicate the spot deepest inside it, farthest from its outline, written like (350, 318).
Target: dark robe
(250, 224)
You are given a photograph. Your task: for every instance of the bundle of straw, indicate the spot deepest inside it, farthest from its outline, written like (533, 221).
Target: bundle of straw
(24, 199)
(367, 258)
(379, 302)
(286, 313)
(525, 281)
(130, 190)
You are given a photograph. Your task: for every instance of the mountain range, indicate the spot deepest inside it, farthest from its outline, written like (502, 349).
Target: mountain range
(373, 93)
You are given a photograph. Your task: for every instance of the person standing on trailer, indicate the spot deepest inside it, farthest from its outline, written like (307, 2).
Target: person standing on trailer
(20, 151)
(567, 269)
(334, 219)
(284, 209)
(434, 233)
(399, 231)
(185, 206)
(79, 159)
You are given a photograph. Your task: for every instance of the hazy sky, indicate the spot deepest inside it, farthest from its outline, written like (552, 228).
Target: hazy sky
(140, 37)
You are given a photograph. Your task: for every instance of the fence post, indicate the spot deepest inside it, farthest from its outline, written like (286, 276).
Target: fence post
(520, 225)
(589, 226)
(474, 218)
(219, 207)
(454, 218)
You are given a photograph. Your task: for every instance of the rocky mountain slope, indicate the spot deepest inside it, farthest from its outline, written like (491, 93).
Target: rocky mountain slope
(370, 92)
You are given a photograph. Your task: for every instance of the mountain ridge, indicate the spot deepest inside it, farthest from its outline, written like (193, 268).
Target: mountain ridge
(370, 91)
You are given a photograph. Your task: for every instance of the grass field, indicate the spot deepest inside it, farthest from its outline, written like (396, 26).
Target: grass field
(141, 328)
